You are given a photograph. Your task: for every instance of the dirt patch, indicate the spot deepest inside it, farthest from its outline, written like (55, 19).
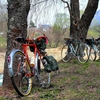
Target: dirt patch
(6, 93)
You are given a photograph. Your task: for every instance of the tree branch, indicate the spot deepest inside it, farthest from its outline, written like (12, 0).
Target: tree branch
(39, 2)
(67, 6)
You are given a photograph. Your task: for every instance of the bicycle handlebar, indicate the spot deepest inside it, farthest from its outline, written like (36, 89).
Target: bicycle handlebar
(27, 40)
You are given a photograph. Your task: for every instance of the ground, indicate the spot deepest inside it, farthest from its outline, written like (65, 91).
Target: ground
(73, 81)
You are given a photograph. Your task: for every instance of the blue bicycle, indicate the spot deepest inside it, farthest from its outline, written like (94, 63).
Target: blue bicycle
(75, 48)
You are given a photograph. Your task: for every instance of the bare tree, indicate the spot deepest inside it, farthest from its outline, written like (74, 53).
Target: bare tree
(79, 26)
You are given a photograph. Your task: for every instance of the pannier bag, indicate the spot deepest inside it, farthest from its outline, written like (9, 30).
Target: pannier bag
(50, 63)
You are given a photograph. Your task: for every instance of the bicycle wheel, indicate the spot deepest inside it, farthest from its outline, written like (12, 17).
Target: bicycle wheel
(98, 53)
(92, 55)
(43, 77)
(83, 53)
(20, 80)
(65, 56)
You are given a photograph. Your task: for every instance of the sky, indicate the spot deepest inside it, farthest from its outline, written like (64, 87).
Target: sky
(49, 15)
(84, 2)
(48, 18)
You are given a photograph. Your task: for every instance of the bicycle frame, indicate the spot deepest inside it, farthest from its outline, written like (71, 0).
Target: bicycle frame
(74, 50)
(25, 52)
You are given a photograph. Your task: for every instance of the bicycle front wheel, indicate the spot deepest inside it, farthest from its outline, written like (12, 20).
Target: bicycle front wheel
(22, 83)
(83, 53)
(65, 56)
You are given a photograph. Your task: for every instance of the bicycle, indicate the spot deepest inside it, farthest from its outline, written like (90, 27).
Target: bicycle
(98, 48)
(94, 48)
(80, 51)
(22, 71)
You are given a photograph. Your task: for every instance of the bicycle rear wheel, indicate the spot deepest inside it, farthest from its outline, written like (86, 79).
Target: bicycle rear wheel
(93, 54)
(65, 56)
(83, 53)
(22, 83)
(45, 79)
(98, 53)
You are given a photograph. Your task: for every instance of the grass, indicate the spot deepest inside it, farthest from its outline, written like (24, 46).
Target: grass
(93, 33)
(73, 81)
(2, 42)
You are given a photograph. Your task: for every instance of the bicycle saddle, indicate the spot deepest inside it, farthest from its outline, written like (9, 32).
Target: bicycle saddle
(66, 39)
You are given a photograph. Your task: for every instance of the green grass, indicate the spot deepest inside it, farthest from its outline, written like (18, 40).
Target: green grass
(93, 33)
(2, 42)
(74, 81)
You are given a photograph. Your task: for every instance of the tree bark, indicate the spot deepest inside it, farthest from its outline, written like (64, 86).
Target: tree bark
(17, 26)
(79, 26)
(74, 18)
(87, 17)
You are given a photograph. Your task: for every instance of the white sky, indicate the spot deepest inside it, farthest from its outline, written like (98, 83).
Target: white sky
(49, 17)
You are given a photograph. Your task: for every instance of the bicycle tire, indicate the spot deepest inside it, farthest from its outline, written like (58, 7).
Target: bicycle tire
(43, 77)
(65, 56)
(21, 83)
(83, 56)
(93, 54)
(98, 53)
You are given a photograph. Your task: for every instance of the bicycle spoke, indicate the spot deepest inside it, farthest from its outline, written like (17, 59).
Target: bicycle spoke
(20, 81)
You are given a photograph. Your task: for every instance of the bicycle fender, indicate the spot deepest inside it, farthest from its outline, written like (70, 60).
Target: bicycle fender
(10, 63)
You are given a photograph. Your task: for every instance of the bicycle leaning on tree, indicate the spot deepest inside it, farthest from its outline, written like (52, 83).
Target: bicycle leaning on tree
(75, 48)
(22, 71)
(94, 45)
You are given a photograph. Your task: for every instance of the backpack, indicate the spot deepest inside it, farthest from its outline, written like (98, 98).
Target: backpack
(50, 63)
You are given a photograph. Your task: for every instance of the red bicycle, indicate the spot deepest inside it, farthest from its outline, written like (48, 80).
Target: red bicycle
(22, 72)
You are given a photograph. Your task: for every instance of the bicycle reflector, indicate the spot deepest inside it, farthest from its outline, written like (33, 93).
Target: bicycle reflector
(8, 59)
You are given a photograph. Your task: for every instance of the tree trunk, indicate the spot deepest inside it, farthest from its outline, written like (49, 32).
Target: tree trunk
(87, 17)
(17, 26)
(79, 26)
(74, 18)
